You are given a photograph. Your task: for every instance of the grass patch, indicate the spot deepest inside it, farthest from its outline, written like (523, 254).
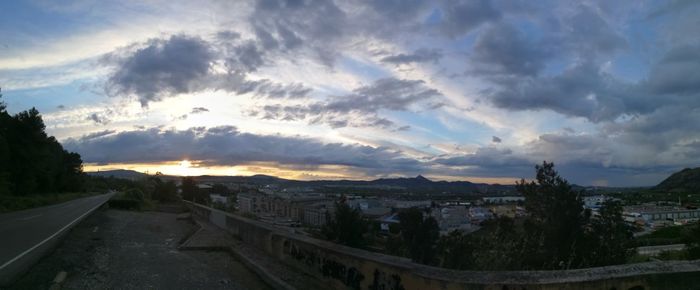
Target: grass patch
(11, 203)
(673, 255)
(131, 200)
(665, 236)
(638, 258)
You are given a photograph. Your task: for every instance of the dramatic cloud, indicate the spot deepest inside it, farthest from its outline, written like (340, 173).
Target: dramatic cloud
(359, 109)
(462, 16)
(502, 49)
(581, 91)
(590, 34)
(677, 73)
(228, 146)
(608, 90)
(286, 25)
(97, 134)
(176, 65)
(184, 64)
(98, 118)
(420, 55)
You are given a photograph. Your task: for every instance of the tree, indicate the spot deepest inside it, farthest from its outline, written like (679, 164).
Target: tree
(164, 191)
(32, 162)
(219, 188)
(455, 251)
(555, 222)
(346, 226)
(191, 192)
(419, 234)
(5, 178)
(502, 247)
(609, 236)
(692, 241)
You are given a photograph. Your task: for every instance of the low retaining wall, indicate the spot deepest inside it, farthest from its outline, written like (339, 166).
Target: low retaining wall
(348, 268)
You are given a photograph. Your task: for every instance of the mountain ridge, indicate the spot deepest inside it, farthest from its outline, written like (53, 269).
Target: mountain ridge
(685, 180)
(418, 184)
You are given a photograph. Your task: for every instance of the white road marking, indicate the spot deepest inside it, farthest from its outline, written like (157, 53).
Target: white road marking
(51, 237)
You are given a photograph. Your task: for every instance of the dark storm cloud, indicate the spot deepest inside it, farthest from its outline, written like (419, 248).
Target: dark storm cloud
(674, 6)
(359, 109)
(678, 72)
(581, 91)
(502, 49)
(98, 134)
(396, 10)
(182, 64)
(462, 16)
(179, 64)
(485, 157)
(269, 89)
(659, 131)
(418, 56)
(199, 110)
(590, 34)
(288, 24)
(227, 146)
(586, 90)
(245, 57)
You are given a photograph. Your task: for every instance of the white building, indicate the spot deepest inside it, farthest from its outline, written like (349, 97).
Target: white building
(249, 202)
(503, 199)
(479, 214)
(218, 198)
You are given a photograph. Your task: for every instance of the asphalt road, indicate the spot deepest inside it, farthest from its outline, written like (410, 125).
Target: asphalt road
(21, 231)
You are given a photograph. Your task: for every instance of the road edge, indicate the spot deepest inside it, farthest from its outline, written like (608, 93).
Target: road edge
(17, 266)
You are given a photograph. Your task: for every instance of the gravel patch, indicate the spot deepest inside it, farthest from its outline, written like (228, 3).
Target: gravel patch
(114, 249)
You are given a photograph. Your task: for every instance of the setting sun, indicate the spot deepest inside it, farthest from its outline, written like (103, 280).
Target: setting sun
(185, 164)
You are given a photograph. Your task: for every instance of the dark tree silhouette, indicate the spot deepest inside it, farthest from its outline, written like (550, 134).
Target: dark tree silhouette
(419, 234)
(692, 241)
(610, 237)
(191, 192)
(555, 222)
(346, 226)
(32, 162)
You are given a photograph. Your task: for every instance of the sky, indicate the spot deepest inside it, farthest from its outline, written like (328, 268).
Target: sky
(453, 90)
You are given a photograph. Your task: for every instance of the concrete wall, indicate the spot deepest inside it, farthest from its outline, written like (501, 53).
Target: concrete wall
(348, 268)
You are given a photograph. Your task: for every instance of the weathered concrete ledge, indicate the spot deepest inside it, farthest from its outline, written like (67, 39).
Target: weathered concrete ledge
(344, 267)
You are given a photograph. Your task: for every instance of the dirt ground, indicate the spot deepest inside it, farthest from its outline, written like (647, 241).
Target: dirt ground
(115, 249)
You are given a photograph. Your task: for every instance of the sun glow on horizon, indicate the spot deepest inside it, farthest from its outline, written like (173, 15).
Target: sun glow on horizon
(187, 167)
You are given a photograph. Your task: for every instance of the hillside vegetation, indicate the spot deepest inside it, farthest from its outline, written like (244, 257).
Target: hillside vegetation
(686, 180)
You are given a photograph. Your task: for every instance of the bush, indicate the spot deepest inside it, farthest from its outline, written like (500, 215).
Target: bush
(127, 204)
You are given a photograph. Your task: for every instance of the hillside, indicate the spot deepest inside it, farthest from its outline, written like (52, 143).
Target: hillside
(418, 184)
(686, 180)
(118, 173)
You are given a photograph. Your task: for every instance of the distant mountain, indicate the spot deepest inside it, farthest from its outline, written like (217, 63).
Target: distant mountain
(686, 180)
(418, 184)
(118, 173)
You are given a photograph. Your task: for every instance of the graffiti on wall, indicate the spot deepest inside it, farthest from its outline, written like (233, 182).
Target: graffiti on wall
(328, 267)
(382, 281)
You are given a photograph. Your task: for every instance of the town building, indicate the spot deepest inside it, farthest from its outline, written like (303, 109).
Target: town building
(502, 199)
